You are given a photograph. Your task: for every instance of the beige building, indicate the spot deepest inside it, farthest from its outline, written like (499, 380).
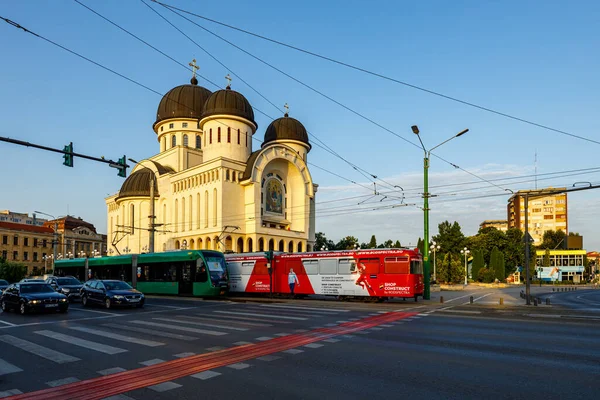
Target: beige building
(546, 212)
(77, 238)
(20, 218)
(211, 189)
(27, 244)
(500, 224)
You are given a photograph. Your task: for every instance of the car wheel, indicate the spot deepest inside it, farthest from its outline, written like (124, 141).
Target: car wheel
(107, 303)
(22, 309)
(84, 300)
(63, 311)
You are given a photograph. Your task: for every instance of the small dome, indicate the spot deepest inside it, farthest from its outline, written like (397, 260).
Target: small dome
(228, 102)
(286, 128)
(138, 184)
(185, 101)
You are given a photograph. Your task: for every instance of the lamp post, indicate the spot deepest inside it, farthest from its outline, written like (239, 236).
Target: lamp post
(81, 254)
(126, 250)
(184, 244)
(54, 237)
(95, 253)
(427, 154)
(466, 252)
(434, 247)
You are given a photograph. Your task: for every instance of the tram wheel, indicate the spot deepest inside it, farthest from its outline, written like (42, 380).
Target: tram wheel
(416, 298)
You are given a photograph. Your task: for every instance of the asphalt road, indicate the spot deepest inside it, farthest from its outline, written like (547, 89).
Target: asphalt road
(176, 348)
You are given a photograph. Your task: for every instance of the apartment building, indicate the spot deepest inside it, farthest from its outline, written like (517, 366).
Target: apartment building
(26, 244)
(500, 224)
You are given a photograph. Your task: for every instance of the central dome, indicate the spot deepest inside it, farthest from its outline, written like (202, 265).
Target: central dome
(286, 128)
(228, 102)
(185, 101)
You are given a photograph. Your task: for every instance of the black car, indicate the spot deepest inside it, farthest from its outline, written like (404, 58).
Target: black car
(67, 285)
(3, 285)
(111, 293)
(27, 297)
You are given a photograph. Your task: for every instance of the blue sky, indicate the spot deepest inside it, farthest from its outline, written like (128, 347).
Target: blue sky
(536, 60)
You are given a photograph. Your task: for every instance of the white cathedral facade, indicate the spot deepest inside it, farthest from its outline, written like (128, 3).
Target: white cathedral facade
(211, 190)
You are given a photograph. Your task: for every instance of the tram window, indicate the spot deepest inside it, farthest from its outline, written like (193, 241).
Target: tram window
(371, 265)
(247, 267)
(416, 267)
(396, 265)
(328, 266)
(234, 268)
(345, 266)
(201, 273)
(311, 267)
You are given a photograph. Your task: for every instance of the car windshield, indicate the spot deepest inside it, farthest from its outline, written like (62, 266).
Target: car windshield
(3, 282)
(37, 288)
(33, 280)
(117, 286)
(68, 281)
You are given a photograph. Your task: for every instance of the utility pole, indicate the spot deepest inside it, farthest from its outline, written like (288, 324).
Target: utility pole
(526, 237)
(152, 217)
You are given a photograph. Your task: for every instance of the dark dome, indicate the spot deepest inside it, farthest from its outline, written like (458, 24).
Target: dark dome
(286, 128)
(185, 101)
(228, 102)
(138, 184)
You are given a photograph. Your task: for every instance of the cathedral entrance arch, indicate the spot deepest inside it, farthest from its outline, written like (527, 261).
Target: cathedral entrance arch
(261, 244)
(291, 247)
(271, 245)
(281, 245)
(240, 245)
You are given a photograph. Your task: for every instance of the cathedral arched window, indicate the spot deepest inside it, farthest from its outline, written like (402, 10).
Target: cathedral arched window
(219, 135)
(274, 195)
(227, 175)
(198, 142)
(246, 139)
(132, 218)
(173, 141)
(185, 140)
(210, 136)
(215, 207)
(228, 135)
(238, 136)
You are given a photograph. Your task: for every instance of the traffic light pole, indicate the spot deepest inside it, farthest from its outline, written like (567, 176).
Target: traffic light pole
(121, 164)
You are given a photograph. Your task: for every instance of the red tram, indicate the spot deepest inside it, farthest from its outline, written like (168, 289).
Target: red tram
(375, 273)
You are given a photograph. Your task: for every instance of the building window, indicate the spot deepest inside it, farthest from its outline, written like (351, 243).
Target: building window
(35, 242)
(219, 135)
(227, 175)
(184, 125)
(162, 128)
(4, 254)
(246, 139)
(25, 242)
(171, 126)
(16, 241)
(35, 256)
(4, 239)
(44, 243)
(198, 142)
(210, 136)
(185, 140)
(228, 135)
(15, 255)
(25, 256)
(173, 141)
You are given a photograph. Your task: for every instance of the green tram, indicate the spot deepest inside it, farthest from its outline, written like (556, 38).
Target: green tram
(183, 272)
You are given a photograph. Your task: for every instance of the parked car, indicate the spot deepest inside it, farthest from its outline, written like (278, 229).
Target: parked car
(35, 296)
(32, 280)
(3, 285)
(110, 293)
(67, 285)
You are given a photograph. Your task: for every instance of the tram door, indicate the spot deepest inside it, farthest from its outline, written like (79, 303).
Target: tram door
(186, 273)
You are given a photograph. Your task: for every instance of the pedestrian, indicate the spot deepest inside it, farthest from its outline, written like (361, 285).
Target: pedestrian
(292, 281)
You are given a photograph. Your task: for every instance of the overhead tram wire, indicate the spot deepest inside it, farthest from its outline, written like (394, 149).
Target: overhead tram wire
(324, 146)
(18, 26)
(319, 92)
(214, 58)
(379, 75)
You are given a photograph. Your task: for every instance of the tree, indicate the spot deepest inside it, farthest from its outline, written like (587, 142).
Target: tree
(347, 243)
(450, 270)
(11, 271)
(372, 243)
(420, 244)
(552, 239)
(478, 263)
(397, 245)
(514, 252)
(450, 237)
(546, 262)
(321, 242)
(501, 269)
(486, 275)
(494, 263)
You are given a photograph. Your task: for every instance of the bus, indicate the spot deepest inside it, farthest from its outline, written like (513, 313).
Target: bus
(371, 273)
(183, 272)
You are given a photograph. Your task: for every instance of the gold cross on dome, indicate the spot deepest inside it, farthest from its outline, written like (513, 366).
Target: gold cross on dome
(287, 109)
(194, 67)
(228, 81)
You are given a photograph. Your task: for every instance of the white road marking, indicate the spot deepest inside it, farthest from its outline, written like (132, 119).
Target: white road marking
(375, 328)
(154, 361)
(110, 371)
(116, 336)
(262, 315)
(268, 358)
(330, 310)
(49, 354)
(206, 375)
(263, 338)
(56, 322)
(293, 351)
(7, 368)
(233, 328)
(183, 355)
(242, 343)
(60, 382)
(244, 319)
(8, 323)
(217, 348)
(300, 330)
(386, 326)
(331, 324)
(102, 348)
(119, 397)
(478, 298)
(457, 298)
(347, 336)
(212, 320)
(180, 328)
(238, 366)
(331, 340)
(92, 311)
(461, 311)
(425, 314)
(163, 387)
(10, 392)
(282, 334)
(153, 332)
(314, 345)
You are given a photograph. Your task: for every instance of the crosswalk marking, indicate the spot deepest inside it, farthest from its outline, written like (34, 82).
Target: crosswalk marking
(10, 392)
(243, 323)
(241, 343)
(152, 362)
(205, 375)
(60, 382)
(103, 348)
(237, 317)
(314, 345)
(49, 354)
(293, 351)
(119, 397)
(268, 358)
(183, 355)
(295, 313)
(7, 368)
(282, 334)
(331, 340)
(262, 315)
(238, 366)
(233, 328)
(180, 328)
(263, 338)
(328, 310)
(110, 371)
(116, 336)
(152, 332)
(163, 387)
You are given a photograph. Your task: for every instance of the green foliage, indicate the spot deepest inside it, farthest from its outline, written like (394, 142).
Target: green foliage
(322, 242)
(546, 262)
(420, 244)
(450, 237)
(386, 245)
(11, 271)
(347, 243)
(373, 243)
(486, 275)
(397, 245)
(552, 240)
(477, 264)
(501, 268)
(450, 269)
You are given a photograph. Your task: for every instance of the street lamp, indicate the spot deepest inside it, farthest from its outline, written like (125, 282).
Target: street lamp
(54, 237)
(466, 252)
(127, 250)
(81, 254)
(427, 153)
(184, 244)
(46, 258)
(434, 247)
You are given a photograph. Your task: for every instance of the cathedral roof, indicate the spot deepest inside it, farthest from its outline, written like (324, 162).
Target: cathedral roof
(228, 102)
(250, 165)
(185, 101)
(138, 183)
(286, 128)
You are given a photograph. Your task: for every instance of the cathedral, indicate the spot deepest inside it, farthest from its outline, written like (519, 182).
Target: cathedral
(209, 188)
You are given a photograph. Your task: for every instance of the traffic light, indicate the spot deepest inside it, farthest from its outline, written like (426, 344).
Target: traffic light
(122, 166)
(269, 255)
(68, 156)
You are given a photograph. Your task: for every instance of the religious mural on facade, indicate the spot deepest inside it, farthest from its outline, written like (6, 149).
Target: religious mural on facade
(274, 197)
